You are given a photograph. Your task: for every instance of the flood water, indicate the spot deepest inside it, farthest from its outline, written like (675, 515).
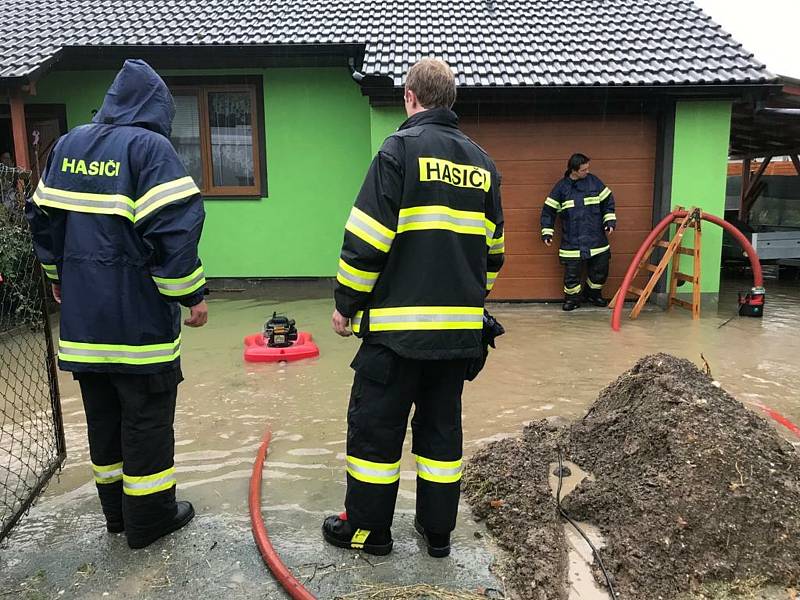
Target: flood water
(549, 363)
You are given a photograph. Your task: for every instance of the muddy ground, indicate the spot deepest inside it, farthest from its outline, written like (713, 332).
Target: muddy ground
(690, 489)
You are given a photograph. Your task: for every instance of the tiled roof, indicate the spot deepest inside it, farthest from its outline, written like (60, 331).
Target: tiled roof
(487, 42)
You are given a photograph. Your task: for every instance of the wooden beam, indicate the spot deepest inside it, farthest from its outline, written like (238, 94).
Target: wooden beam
(796, 162)
(19, 131)
(755, 188)
(745, 186)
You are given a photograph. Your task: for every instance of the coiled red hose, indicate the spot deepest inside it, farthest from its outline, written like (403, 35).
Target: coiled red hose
(293, 587)
(758, 277)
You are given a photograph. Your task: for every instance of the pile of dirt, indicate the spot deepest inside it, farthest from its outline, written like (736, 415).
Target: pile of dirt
(507, 485)
(690, 487)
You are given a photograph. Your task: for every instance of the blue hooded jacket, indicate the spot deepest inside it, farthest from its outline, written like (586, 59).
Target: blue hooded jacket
(586, 207)
(116, 220)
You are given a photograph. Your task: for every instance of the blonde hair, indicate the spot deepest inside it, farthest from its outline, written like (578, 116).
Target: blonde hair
(433, 82)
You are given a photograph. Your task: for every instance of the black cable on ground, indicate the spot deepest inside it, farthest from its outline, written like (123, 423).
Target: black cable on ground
(564, 514)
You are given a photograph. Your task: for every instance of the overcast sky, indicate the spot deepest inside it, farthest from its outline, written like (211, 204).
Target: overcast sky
(770, 29)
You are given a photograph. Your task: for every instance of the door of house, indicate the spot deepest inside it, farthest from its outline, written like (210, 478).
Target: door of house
(44, 124)
(531, 153)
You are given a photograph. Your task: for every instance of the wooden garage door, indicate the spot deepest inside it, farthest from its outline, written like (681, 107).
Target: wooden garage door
(531, 154)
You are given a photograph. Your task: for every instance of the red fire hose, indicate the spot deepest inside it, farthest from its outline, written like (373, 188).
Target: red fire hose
(294, 588)
(782, 420)
(758, 278)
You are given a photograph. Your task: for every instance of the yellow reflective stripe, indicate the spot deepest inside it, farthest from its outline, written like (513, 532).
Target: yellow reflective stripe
(145, 485)
(414, 310)
(373, 472)
(596, 251)
(552, 203)
(84, 352)
(567, 204)
(498, 245)
(162, 194)
(589, 200)
(361, 281)
(604, 194)
(439, 471)
(490, 229)
(421, 218)
(181, 286)
(51, 271)
(409, 318)
(369, 230)
(491, 277)
(104, 474)
(355, 322)
(573, 290)
(107, 204)
(593, 285)
(569, 253)
(548, 231)
(609, 217)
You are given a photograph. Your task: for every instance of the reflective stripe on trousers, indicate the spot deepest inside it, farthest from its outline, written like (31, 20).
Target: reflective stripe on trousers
(144, 485)
(438, 471)
(373, 472)
(107, 473)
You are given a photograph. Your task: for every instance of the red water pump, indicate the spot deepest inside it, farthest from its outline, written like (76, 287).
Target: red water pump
(751, 304)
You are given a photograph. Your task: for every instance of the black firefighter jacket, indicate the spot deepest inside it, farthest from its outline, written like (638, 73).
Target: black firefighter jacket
(424, 242)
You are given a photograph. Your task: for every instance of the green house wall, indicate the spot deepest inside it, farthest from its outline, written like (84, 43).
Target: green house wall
(317, 128)
(699, 177)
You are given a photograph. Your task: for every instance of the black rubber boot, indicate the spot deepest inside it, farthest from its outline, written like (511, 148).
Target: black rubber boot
(570, 304)
(438, 543)
(183, 514)
(114, 526)
(339, 532)
(597, 301)
(111, 502)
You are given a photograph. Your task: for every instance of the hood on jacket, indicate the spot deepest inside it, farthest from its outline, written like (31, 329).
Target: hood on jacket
(138, 97)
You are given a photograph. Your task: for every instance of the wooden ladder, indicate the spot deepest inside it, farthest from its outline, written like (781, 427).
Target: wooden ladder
(675, 246)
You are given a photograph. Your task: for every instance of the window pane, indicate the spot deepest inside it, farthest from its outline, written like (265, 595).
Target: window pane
(186, 135)
(231, 119)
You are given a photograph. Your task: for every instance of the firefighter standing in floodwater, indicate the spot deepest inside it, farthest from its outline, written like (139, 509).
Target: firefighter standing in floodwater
(116, 222)
(586, 208)
(422, 248)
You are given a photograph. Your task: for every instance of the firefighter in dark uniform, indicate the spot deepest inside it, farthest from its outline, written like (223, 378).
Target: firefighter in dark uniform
(116, 221)
(586, 207)
(422, 248)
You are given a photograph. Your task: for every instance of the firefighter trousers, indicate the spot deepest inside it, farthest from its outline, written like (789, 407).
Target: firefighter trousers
(384, 389)
(596, 271)
(132, 446)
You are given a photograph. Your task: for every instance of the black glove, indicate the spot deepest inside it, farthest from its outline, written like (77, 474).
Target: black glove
(491, 330)
(547, 238)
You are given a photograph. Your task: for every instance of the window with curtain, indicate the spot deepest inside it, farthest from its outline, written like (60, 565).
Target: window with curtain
(216, 134)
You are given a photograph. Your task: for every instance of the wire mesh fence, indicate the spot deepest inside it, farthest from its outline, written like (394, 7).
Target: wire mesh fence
(31, 432)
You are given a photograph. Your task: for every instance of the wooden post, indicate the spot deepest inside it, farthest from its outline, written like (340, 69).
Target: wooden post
(755, 188)
(696, 297)
(19, 131)
(746, 163)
